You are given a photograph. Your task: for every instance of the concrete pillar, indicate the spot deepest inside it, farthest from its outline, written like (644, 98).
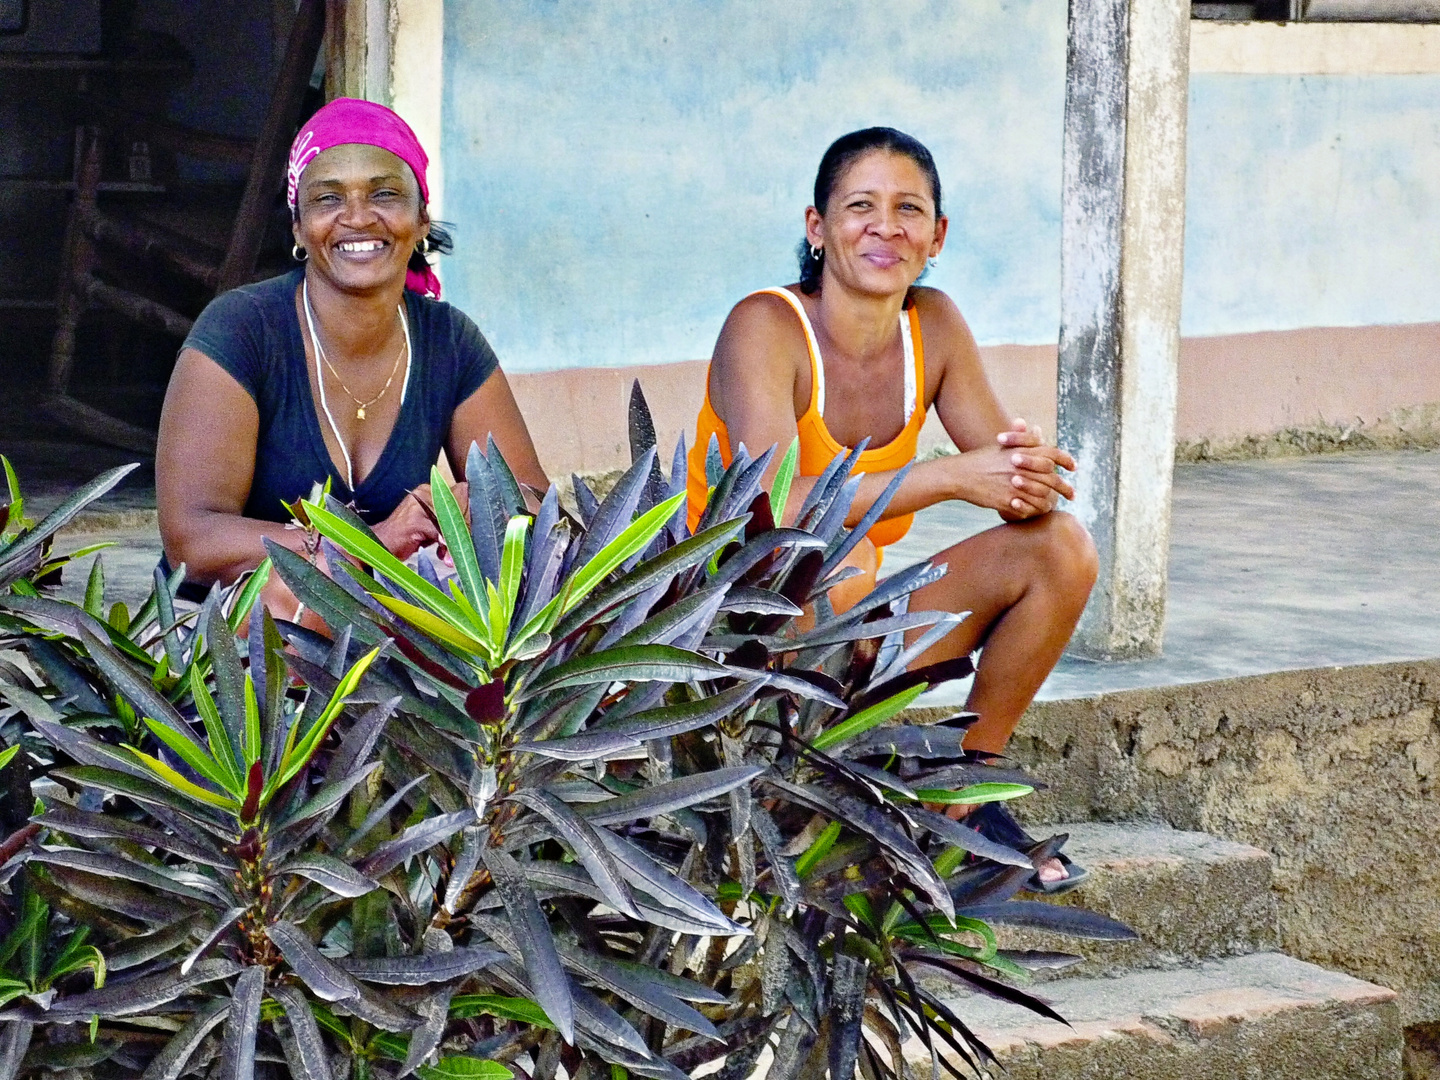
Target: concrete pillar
(417, 79)
(1122, 239)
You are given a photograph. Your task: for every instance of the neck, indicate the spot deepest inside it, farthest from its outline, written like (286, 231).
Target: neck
(865, 323)
(353, 324)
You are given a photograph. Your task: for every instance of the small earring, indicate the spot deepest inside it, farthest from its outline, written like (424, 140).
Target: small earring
(298, 253)
(424, 245)
(930, 262)
(817, 253)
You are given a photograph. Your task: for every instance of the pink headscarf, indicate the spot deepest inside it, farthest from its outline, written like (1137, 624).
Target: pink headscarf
(350, 120)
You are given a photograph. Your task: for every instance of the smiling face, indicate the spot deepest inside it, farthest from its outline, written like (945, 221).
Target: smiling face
(360, 217)
(879, 226)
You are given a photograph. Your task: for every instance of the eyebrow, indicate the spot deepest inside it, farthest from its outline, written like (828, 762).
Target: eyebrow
(901, 194)
(388, 178)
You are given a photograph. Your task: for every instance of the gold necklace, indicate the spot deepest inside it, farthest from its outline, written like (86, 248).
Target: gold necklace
(361, 406)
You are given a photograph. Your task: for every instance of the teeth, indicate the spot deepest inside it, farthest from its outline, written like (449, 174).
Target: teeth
(361, 245)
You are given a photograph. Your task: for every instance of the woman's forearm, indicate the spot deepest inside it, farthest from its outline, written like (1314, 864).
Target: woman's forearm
(218, 547)
(926, 484)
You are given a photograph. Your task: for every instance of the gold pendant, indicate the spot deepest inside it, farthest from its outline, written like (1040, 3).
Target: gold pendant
(360, 413)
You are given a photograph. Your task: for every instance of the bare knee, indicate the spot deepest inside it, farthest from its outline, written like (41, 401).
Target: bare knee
(1072, 552)
(1066, 555)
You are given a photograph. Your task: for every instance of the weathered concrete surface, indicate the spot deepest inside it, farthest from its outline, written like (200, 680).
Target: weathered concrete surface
(1332, 771)
(1188, 895)
(1260, 1017)
(1121, 263)
(1274, 565)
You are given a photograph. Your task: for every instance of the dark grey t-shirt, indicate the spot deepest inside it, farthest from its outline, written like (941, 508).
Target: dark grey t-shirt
(253, 332)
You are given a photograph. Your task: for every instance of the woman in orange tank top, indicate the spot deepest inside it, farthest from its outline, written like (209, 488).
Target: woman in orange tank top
(854, 351)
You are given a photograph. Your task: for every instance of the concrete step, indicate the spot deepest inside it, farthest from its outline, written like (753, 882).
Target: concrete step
(1265, 1016)
(1190, 896)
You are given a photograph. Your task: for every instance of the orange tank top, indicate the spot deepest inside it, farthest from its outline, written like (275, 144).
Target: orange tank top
(817, 446)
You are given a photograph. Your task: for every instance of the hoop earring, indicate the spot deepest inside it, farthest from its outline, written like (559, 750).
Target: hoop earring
(424, 245)
(817, 253)
(931, 263)
(298, 253)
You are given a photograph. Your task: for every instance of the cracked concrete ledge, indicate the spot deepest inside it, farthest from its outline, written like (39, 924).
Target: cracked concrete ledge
(1332, 771)
(1264, 1016)
(1415, 427)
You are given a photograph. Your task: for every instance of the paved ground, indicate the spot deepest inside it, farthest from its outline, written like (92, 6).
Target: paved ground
(1274, 565)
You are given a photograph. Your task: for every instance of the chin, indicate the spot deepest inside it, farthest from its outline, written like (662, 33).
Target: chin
(886, 282)
(365, 279)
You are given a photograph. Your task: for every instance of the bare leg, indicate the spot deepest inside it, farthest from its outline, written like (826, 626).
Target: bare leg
(1025, 585)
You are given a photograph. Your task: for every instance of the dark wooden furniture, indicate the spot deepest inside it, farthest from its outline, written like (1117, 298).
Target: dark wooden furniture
(93, 229)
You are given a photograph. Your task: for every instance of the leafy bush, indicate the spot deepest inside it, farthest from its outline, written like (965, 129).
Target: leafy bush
(603, 797)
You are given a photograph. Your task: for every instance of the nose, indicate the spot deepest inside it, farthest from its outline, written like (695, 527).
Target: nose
(357, 210)
(887, 223)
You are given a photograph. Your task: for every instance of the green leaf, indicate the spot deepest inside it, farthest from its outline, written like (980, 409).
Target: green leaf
(257, 580)
(12, 486)
(95, 590)
(458, 540)
(182, 785)
(784, 477)
(522, 1010)
(464, 1068)
(252, 722)
(193, 756)
(354, 542)
(858, 904)
(634, 538)
(437, 627)
(512, 567)
(220, 746)
(88, 956)
(7, 755)
(818, 849)
(975, 793)
(866, 719)
(297, 758)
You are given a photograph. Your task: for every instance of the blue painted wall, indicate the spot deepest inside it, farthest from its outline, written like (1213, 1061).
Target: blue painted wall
(621, 173)
(1312, 201)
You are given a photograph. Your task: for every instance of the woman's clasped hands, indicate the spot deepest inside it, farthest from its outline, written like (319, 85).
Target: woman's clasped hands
(412, 526)
(1019, 478)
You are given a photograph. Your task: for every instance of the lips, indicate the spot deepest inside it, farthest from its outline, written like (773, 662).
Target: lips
(882, 259)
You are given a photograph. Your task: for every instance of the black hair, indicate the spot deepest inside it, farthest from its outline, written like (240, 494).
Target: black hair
(843, 152)
(441, 243)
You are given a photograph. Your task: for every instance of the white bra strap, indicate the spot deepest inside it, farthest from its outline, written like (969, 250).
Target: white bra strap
(817, 364)
(909, 344)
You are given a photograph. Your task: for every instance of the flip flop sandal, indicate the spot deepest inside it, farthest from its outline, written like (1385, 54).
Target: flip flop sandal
(995, 822)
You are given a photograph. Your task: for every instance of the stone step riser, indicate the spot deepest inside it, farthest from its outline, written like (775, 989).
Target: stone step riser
(1189, 896)
(1260, 1017)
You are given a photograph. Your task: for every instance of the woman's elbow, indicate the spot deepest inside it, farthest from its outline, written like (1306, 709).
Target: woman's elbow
(192, 542)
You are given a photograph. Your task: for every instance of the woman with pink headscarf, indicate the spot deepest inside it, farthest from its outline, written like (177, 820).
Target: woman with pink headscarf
(349, 368)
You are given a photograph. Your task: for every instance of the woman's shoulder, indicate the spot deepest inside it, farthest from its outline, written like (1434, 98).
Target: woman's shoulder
(940, 317)
(244, 312)
(240, 326)
(258, 298)
(454, 344)
(440, 318)
(768, 317)
(933, 302)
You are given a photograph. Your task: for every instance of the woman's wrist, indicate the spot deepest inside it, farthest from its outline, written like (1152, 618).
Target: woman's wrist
(954, 478)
